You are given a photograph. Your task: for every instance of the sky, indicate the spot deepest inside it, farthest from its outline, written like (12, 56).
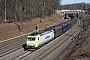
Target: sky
(73, 1)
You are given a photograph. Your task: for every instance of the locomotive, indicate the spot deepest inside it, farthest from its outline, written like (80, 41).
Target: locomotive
(37, 39)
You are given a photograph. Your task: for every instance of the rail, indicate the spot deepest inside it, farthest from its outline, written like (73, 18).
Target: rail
(46, 52)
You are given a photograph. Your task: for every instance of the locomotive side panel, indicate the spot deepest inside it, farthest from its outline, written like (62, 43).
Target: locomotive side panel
(46, 37)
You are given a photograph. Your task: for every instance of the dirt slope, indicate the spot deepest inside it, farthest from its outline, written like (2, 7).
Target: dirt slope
(10, 30)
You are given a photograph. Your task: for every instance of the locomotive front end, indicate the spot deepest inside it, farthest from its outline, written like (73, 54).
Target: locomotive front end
(31, 42)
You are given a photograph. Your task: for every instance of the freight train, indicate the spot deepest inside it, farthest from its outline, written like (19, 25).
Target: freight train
(37, 39)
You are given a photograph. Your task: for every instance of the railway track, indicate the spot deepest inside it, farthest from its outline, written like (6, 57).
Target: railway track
(78, 43)
(46, 52)
(55, 47)
(9, 52)
(11, 47)
(23, 55)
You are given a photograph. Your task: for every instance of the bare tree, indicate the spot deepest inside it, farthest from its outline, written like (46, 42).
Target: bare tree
(31, 8)
(5, 11)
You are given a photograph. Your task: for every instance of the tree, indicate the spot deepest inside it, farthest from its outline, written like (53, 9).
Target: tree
(31, 8)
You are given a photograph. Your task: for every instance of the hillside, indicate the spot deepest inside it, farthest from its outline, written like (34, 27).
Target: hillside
(10, 30)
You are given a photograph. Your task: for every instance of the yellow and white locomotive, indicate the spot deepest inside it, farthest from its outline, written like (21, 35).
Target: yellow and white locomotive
(36, 39)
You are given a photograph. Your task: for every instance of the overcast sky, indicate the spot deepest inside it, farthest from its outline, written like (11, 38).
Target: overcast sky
(74, 1)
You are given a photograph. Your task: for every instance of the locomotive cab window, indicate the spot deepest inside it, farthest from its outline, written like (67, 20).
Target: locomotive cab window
(31, 39)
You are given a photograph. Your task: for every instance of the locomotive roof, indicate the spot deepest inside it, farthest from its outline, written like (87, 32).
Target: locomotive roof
(58, 27)
(43, 32)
